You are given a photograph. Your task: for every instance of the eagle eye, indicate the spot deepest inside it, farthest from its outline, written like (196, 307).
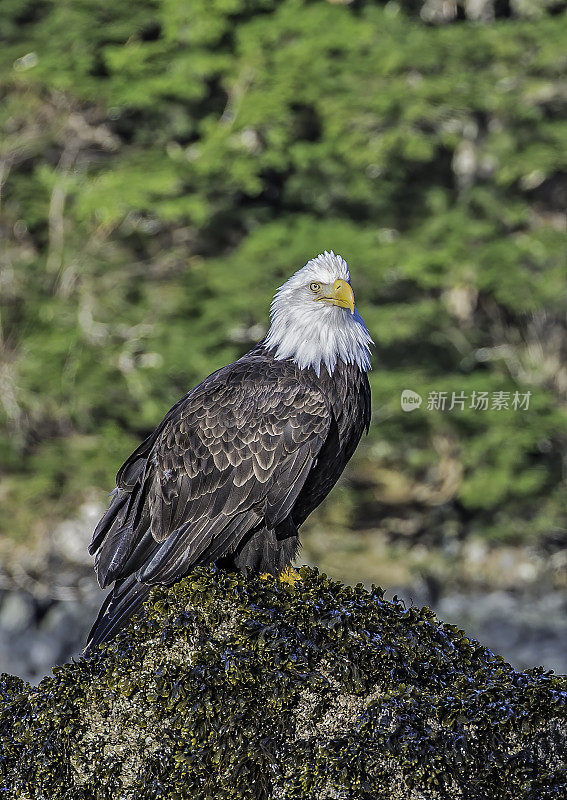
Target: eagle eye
(315, 287)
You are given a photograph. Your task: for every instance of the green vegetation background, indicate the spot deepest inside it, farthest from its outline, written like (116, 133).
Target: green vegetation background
(165, 164)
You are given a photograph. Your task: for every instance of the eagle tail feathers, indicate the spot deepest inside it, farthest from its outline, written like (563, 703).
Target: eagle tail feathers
(120, 605)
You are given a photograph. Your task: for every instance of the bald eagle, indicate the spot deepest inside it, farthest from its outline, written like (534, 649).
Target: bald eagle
(238, 464)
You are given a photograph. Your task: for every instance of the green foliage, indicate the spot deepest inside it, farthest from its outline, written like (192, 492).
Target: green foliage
(238, 688)
(166, 164)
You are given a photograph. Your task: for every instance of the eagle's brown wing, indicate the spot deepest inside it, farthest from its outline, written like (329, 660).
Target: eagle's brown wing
(229, 457)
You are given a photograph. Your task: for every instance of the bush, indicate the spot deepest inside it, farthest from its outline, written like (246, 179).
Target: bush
(166, 166)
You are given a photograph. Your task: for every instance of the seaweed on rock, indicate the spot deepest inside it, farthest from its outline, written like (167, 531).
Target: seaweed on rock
(239, 689)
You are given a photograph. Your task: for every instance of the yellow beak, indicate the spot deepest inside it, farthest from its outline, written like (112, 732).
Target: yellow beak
(342, 296)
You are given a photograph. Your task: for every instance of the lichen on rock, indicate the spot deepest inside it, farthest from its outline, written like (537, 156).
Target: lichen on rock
(239, 688)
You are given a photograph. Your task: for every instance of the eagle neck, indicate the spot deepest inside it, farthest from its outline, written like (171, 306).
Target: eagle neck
(333, 337)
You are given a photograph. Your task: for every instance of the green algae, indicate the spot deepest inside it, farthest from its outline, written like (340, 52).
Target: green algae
(238, 689)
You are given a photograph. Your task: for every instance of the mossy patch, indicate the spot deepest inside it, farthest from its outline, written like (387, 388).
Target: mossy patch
(242, 689)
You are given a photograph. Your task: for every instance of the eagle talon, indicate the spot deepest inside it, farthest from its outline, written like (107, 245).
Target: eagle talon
(289, 575)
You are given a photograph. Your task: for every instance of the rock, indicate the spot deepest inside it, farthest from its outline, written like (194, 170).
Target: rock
(252, 689)
(17, 611)
(533, 629)
(71, 538)
(33, 637)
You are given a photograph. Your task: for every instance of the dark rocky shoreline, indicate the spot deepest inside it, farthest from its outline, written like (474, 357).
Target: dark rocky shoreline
(47, 608)
(229, 687)
(37, 633)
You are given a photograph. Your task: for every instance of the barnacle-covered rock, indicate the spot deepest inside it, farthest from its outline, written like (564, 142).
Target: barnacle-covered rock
(232, 688)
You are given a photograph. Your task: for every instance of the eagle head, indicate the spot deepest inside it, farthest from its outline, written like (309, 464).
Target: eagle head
(314, 319)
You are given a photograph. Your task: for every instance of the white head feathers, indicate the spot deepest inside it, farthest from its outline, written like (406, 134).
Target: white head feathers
(315, 333)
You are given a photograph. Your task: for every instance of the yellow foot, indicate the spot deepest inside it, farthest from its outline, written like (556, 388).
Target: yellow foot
(289, 575)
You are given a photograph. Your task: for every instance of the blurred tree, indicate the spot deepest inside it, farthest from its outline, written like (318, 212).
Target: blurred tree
(164, 165)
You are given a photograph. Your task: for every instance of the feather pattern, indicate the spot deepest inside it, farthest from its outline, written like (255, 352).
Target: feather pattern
(229, 475)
